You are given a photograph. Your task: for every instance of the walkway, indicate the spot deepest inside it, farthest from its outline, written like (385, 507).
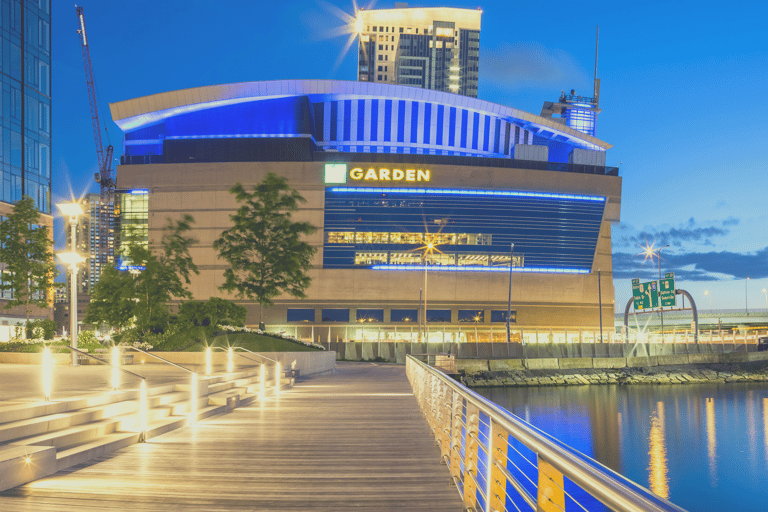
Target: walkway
(353, 440)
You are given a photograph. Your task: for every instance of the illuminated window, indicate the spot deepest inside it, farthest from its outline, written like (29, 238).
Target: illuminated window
(472, 315)
(404, 315)
(370, 258)
(369, 315)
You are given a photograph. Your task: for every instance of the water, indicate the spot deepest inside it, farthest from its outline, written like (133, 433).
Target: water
(703, 447)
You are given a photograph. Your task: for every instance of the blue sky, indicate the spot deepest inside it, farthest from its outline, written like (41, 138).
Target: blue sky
(682, 87)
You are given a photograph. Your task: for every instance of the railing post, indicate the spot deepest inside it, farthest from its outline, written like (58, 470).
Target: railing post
(498, 448)
(550, 496)
(471, 453)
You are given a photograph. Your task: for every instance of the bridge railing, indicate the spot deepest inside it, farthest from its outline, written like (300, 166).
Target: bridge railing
(498, 462)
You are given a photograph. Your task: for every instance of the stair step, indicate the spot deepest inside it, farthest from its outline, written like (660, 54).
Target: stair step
(88, 451)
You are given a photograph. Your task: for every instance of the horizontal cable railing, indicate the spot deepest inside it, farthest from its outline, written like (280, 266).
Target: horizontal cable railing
(501, 463)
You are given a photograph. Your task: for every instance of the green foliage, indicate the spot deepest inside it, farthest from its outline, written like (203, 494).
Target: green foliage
(255, 343)
(86, 340)
(27, 252)
(45, 328)
(212, 313)
(121, 300)
(263, 247)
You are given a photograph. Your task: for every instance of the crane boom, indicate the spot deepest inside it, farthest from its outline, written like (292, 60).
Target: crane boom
(105, 177)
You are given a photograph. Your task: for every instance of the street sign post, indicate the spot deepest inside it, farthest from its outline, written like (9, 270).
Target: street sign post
(667, 290)
(645, 295)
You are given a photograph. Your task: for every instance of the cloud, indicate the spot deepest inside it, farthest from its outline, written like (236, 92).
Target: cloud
(675, 236)
(531, 65)
(694, 266)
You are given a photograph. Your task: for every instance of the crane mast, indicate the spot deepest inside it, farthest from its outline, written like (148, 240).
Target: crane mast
(105, 177)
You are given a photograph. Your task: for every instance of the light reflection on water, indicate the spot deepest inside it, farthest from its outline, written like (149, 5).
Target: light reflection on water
(698, 445)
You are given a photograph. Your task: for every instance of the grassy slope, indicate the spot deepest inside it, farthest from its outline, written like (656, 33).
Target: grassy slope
(254, 343)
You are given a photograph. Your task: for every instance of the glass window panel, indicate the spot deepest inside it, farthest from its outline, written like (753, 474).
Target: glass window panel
(369, 315)
(501, 316)
(404, 315)
(472, 315)
(301, 315)
(335, 315)
(370, 258)
(438, 315)
(472, 259)
(405, 258)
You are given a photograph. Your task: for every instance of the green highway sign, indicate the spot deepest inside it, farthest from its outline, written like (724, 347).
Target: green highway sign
(667, 290)
(645, 295)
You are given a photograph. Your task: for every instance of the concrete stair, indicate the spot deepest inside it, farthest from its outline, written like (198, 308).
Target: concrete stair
(39, 439)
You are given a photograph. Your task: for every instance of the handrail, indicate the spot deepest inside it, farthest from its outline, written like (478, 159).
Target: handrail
(72, 349)
(233, 351)
(255, 353)
(156, 357)
(610, 488)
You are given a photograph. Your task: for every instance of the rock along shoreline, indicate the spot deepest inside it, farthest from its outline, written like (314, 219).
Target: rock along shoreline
(662, 375)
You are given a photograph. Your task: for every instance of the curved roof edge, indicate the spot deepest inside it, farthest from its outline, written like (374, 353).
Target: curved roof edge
(146, 110)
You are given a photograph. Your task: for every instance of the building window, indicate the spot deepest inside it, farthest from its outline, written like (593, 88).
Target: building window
(438, 315)
(301, 315)
(404, 315)
(501, 317)
(369, 315)
(335, 315)
(471, 315)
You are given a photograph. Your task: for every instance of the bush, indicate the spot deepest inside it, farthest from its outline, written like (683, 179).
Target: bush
(41, 329)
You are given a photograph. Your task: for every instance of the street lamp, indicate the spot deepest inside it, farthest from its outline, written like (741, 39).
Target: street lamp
(706, 292)
(509, 300)
(746, 300)
(649, 253)
(73, 210)
(765, 292)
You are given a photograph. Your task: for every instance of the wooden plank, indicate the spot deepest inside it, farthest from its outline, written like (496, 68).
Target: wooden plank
(354, 440)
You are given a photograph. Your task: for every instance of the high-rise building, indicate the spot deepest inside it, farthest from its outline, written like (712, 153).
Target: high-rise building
(25, 71)
(25, 111)
(432, 48)
(89, 238)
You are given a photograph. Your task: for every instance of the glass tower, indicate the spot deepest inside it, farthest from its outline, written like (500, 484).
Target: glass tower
(431, 48)
(25, 110)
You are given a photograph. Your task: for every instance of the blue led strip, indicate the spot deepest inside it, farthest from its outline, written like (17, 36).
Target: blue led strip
(470, 268)
(459, 192)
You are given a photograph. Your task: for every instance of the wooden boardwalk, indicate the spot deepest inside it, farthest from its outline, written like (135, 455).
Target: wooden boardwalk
(353, 440)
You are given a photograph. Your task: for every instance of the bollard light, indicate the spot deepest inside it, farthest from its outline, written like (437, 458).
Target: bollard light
(193, 400)
(115, 368)
(143, 413)
(277, 379)
(230, 361)
(208, 361)
(263, 379)
(47, 373)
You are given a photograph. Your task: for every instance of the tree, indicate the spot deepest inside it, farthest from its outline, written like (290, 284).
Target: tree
(27, 256)
(263, 247)
(121, 299)
(212, 313)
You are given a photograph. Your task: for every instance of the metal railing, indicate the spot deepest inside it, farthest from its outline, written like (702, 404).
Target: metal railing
(499, 462)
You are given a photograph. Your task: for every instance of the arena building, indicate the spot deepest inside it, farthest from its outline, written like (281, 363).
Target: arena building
(418, 196)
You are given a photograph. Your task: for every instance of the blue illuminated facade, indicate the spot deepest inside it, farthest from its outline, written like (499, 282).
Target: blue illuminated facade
(25, 109)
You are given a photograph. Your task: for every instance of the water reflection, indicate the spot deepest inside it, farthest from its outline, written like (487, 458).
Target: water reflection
(711, 441)
(695, 444)
(658, 479)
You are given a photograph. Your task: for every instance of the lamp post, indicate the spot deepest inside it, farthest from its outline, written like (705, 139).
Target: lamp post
(73, 210)
(509, 300)
(765, 292)
(746, 296)
(706, 292)
(649, 252)
(600, 304)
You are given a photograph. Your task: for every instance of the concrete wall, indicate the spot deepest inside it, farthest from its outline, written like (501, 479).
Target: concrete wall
(541, 300)
(395, 352)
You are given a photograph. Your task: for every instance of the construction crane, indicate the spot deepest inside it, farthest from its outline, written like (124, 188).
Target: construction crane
(105, 177)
